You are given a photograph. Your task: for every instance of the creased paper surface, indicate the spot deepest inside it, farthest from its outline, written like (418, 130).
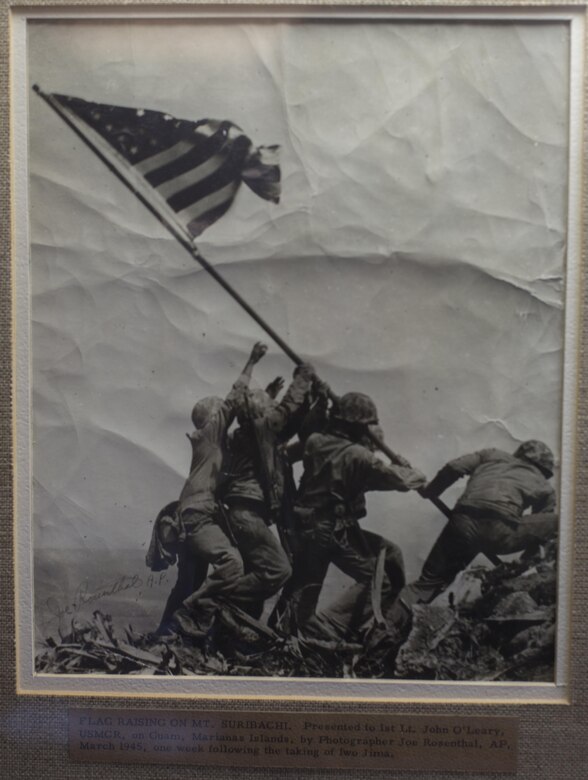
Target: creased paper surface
(417, 254)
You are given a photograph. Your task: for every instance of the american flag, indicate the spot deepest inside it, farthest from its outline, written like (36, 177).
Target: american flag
(192, 168)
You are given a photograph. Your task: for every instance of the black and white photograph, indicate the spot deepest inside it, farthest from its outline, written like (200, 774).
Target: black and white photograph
(299, 293)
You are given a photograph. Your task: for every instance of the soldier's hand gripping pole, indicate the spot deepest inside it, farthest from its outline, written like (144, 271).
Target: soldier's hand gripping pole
(436, 501)
(297, 360)
(285, 347)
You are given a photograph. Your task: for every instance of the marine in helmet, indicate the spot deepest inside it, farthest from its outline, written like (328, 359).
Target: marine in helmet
(209, 565)
(255, 488)
(508, 506)
(340, 466)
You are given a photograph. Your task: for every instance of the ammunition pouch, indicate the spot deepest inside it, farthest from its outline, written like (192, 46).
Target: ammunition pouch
(339, 513)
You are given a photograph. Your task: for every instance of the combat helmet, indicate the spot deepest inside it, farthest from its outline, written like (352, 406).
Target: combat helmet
(204, 410)
(537, 453)
(356, 408)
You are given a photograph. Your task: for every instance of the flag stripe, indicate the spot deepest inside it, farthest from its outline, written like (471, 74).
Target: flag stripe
(121, 164)
(164, 157)
(214, 199)
(198, 154)
(196, 175)
(229, 171)
(189, 172)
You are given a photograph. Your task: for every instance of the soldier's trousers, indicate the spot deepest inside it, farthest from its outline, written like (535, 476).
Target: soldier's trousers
(355, 552)
(209, 566)
(191, 575)
(266, 564)
(465, 536)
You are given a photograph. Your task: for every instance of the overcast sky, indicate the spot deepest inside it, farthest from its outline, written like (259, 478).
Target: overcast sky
(417, 253)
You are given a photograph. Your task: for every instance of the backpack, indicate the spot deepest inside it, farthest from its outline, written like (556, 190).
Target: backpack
(166, 537)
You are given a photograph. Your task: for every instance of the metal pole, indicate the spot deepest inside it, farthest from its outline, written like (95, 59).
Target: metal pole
(190, 247)
(176, 232)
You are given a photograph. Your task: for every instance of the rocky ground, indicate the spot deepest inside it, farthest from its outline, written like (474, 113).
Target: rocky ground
(498, 626)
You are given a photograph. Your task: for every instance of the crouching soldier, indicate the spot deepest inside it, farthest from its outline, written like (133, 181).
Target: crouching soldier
(201, 542)
(489, 517)
(339, 468)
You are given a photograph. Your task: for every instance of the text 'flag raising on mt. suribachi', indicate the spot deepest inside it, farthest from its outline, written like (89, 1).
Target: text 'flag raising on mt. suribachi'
(193, 169)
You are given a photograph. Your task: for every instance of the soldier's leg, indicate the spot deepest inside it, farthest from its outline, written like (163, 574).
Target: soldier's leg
(457, 546)
(191, 574)
(356, 554)
(393, 562)
(306, 588)
(209, 543)
(339, 620)
(502, 538)
(266, 564)
(300, 594)
(206, 542)
(299, 598)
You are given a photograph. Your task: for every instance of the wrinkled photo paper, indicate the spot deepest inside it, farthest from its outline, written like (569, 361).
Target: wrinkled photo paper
(297, 305)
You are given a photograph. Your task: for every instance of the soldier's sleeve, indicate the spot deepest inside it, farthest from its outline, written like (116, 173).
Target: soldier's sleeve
(219, 424)
(314, 420)
(374, 474)
(216, 428)
(236, 396)
(454, 470)
(293, 399)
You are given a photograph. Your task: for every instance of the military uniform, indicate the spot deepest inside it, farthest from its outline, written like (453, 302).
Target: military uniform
(337, 474)
(254, 493)
(209, 565)
(491, 514)
(205, 543)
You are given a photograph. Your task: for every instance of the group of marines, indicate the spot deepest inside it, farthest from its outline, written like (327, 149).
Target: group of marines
(241, 483)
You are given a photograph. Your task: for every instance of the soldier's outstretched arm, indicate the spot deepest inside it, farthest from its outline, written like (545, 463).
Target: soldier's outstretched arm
(294, 397)
(451, 472)
(258, 351)
(377, 475)
(237, 392)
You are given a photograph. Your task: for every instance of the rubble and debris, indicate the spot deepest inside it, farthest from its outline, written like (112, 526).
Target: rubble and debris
(498, 625)
(506, 632)
(444, 646)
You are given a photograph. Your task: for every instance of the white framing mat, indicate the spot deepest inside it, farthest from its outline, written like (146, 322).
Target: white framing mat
(276, 688)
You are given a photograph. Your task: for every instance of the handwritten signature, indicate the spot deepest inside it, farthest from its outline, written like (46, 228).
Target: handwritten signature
(85, 595)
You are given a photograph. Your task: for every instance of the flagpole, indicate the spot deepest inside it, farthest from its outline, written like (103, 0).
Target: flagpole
(191, 248)
(284, 346)
(177, 234)
(187, 243)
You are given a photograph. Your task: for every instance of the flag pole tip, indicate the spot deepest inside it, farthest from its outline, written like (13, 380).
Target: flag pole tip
(37, 89)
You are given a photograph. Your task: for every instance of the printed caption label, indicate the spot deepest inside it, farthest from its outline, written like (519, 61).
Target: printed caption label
(279, 739)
